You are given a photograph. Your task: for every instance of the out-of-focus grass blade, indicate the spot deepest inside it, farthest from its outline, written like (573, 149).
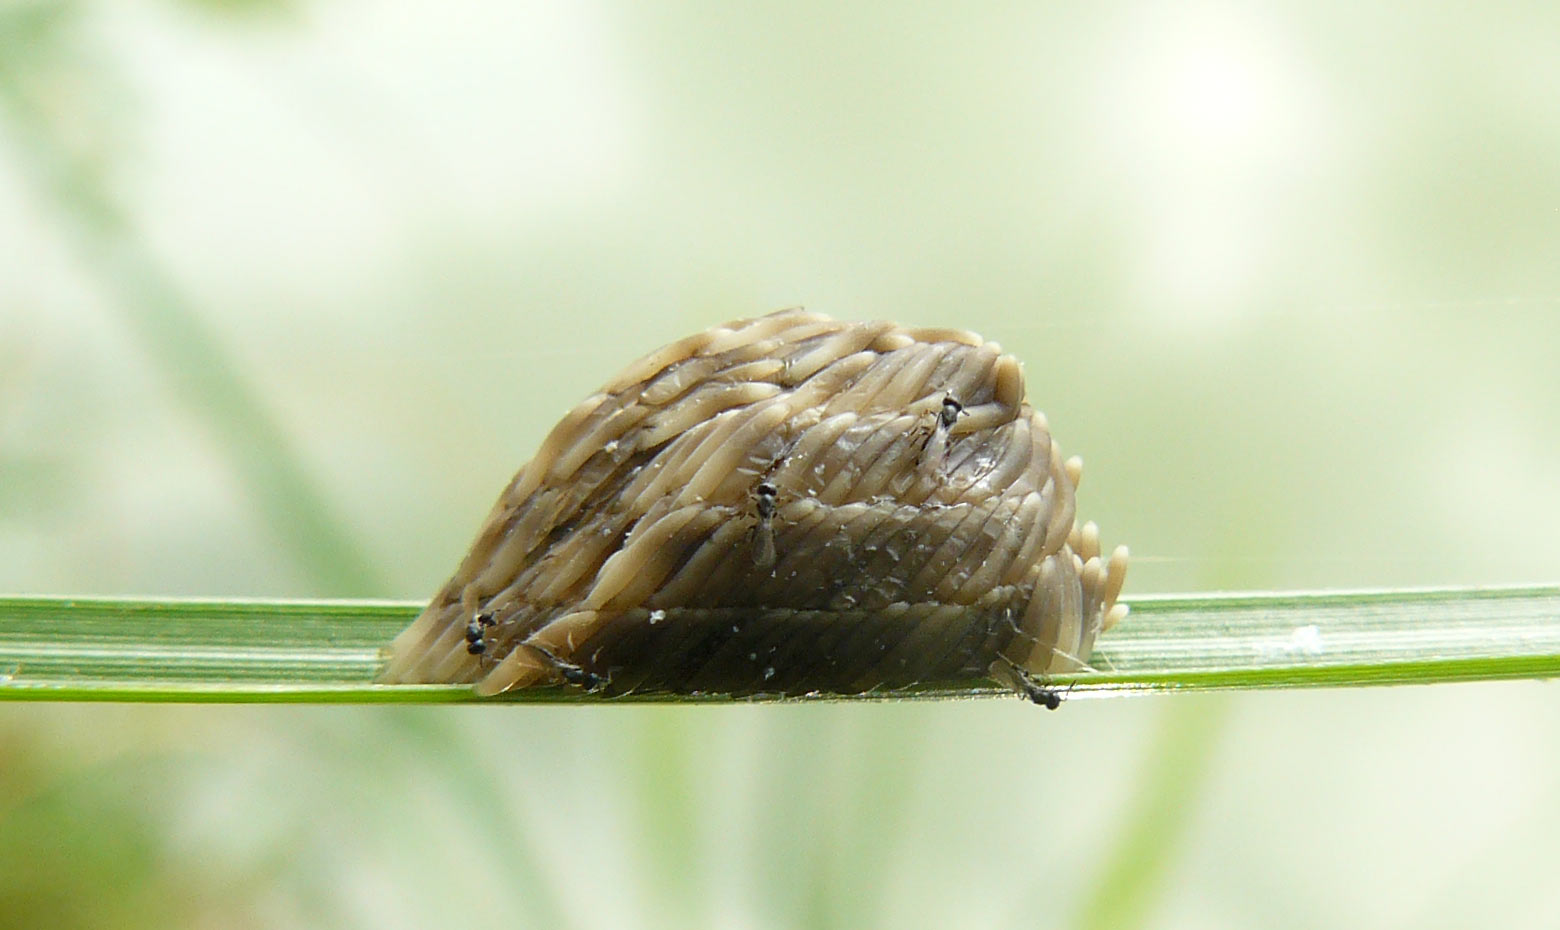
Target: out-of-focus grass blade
(130, 649)
(170, 327)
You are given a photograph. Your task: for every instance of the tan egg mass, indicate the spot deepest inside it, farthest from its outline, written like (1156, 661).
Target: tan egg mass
(784, 505)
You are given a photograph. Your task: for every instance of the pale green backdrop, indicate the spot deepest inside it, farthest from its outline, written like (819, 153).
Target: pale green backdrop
(288, 292)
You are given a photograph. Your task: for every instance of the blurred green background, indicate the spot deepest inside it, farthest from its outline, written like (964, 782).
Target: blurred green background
(289, 290)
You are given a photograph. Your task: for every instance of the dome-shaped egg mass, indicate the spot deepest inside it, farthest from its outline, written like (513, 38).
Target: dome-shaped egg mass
(783, 505)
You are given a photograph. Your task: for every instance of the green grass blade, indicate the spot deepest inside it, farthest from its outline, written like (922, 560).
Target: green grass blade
(132, 649)
(1306, 639)
(129, 649)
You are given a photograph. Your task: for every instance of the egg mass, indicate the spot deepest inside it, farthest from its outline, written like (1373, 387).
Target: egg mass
(787, 505)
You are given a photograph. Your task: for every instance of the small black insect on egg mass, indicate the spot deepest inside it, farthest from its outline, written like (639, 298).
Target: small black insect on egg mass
(476, 633)
(939, 440)
(570, 673)
(764, 533)
(950, 411)
(579, 677)
(1035, 690)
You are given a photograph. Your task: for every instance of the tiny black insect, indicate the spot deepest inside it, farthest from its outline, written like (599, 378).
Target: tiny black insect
(764, 532)
(571, 673)
(476, 633)
(766, 500)
(575, 675)
(934, 448)
(950, 411)
(1036, 690)
(1049, 697)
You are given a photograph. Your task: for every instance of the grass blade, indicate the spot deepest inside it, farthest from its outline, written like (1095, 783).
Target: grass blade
(134, 649)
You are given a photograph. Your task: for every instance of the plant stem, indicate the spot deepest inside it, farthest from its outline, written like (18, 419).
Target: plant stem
(131, 649)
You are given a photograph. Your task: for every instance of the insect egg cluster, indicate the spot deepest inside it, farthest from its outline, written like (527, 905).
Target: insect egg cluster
(783, 505)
